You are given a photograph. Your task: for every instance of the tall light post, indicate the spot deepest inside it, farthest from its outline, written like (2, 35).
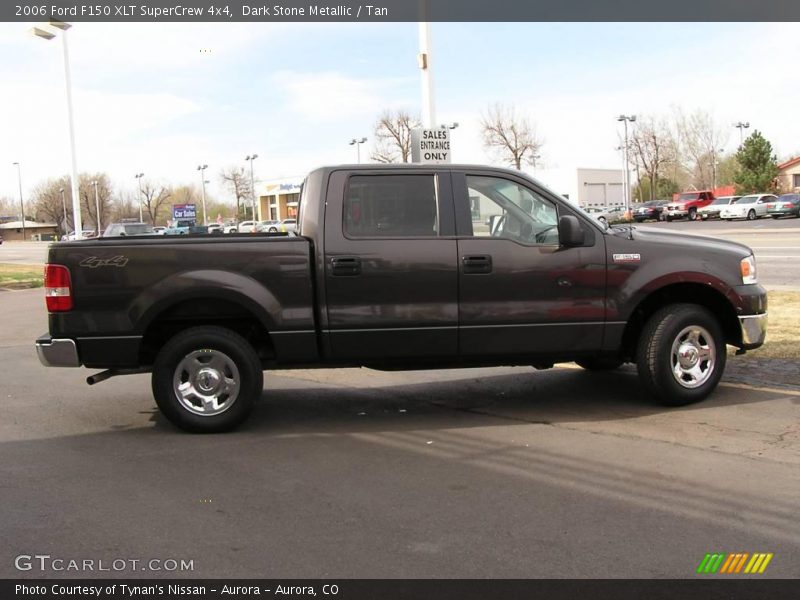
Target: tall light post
(626, 185)
(21, 204)
(357, 143)
(97, 205)
(76, 199)
(425, 66)
(251, 158)
(714, 163)
(138, 177)
(202, 169)
(741, 126)
(64, 203)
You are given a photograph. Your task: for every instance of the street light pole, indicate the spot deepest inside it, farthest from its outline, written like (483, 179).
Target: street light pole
(741, 126)
(251, 158)
(64, 203)
(425, 65)
(138, 177)
(202, 169)
(626, 185)
(357, 143)
(21, 204)
(714, 164)
(97, 206)
(76, 199)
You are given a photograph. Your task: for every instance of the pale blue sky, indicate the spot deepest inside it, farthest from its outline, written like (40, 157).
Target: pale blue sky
(147, 99)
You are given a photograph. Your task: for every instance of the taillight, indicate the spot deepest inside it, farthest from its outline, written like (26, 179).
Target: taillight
(57, 288)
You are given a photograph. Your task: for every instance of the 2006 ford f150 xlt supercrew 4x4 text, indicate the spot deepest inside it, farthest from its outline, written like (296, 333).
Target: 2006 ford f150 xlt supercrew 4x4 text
(401, 267)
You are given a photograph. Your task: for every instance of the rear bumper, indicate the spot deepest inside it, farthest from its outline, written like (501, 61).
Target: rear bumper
(754, 330)
(57, 352)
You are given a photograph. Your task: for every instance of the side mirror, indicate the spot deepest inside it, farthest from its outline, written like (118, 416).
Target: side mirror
(570, 232)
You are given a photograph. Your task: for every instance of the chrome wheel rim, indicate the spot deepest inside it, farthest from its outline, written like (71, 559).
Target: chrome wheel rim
(693, 356)
(206, 382)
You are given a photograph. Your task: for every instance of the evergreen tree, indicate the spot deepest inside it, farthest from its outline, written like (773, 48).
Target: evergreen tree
(758, 166)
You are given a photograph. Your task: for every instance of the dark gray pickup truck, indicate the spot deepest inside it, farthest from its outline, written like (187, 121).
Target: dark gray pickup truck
(401, 267)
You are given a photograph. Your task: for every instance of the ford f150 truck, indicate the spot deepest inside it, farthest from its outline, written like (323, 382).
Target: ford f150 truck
(395, 267)
(687, 204)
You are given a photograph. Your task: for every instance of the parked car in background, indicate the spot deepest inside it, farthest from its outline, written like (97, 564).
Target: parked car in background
(687, 204)
(651, 210)
(786, 205)
(86, 233)
(159, 230)
(215, 228)
(750, 207)
(247, 227)
(185, 227)
(289, 225)
(230, 227)
(128, 229)
(268, 226)
(711, 211)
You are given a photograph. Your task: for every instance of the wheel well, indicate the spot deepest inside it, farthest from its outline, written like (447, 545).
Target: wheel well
(691, 293)
(205, 311)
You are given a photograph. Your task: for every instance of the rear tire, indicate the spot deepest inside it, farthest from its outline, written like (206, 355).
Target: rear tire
(599, 364)
(207, 379)
(681, 354)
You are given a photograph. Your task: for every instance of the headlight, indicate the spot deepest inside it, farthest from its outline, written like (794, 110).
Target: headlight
(748, 268)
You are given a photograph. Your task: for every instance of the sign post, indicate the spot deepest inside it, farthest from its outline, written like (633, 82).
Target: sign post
(184, 211)
(430, 146)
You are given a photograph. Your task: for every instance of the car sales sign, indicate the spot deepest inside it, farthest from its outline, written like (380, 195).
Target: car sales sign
(184, 211)
(430, 146)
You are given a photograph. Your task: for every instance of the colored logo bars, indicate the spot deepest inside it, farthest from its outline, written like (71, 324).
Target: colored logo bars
(740, 562)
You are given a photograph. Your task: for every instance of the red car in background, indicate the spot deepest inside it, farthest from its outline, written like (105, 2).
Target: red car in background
(687, 204)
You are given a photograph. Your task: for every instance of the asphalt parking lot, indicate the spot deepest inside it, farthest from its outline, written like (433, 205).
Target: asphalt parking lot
(504, 472)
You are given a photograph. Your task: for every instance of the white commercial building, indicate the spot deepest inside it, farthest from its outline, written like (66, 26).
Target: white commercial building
(600, 188)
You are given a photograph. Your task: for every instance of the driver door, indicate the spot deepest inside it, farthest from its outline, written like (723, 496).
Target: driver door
(520, 292)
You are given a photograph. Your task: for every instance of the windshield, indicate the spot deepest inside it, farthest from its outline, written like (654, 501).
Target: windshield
(689, 196)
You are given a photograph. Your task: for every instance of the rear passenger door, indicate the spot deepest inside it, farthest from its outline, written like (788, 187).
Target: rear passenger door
(391, 282)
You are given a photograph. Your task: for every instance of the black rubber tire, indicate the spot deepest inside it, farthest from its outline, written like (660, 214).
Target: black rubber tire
(669, 218)
(693, 214)
(599, 364)
(774, 216)
(273, 230)
(654, 348)
(751, 215)
(239, 350)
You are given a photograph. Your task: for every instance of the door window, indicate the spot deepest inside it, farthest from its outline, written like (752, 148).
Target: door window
(510, 211)
(403, 206)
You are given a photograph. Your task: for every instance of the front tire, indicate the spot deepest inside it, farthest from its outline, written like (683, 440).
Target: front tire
(681, 354)
(207, 379)
(692, 214)
(751, 215)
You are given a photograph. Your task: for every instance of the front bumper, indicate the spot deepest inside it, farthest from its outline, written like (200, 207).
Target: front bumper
(754, 330)
(58, 352)
(676, 212)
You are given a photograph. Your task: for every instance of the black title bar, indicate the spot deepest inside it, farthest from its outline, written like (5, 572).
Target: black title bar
(410, 589)
(196, 11)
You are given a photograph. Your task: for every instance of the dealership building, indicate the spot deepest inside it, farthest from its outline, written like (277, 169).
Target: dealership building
(279, 199)
(600, 188)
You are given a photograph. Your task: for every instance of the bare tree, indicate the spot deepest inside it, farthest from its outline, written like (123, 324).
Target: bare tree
(701, 140)
(237, 182)
(49, 204)
(513, 139)
(393, 136)
(88, 203)
(153, 198)
(652, 146)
